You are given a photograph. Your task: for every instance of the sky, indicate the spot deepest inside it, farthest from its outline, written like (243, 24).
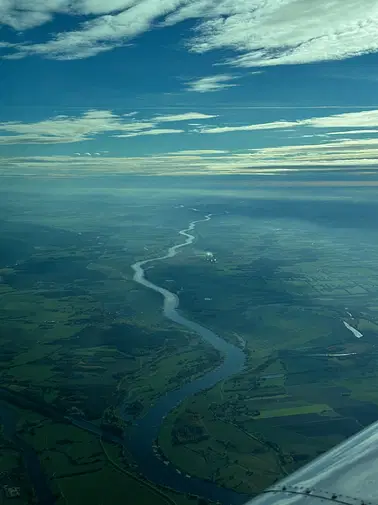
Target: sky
(183, 87)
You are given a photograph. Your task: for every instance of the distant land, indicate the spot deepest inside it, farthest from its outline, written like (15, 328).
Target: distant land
(87, 353)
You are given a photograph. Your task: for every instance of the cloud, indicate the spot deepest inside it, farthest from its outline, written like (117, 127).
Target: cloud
(6, 45)
(337, 153)
(262, 126)
(101, 7)
(272, 32)
(63, 129)
(38, 139)
(261, 32)
(109, 28)
(352, 132)
(20, 16)
(188, 116)
(361, 119)
(211, 84)
(336, 145)
(157, 131)
(198, 152)
(327, 156)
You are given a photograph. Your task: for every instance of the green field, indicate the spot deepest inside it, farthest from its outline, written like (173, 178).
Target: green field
(308, 383)
(79, 337)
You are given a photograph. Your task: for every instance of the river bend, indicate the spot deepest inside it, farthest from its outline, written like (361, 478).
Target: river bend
(146, 430)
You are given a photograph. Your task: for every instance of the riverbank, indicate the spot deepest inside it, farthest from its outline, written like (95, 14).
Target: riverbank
(142, 436)
(30, 460)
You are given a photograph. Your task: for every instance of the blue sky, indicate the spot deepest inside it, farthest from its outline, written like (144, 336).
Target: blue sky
(187, 86)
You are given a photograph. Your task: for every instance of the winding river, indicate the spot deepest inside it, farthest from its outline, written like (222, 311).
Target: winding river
(146, 430)
(38, 478)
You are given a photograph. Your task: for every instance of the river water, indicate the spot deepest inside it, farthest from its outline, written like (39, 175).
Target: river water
(146, 431)
(38, 478)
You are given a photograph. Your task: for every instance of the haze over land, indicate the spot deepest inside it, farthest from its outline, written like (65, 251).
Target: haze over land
(94, 354)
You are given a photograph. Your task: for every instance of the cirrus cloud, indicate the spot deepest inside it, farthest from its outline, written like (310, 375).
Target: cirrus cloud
(335, 155)
(157, 131)
(187, 116)
(363, 119)
(63, 129)
(261, 32)
(211, 84)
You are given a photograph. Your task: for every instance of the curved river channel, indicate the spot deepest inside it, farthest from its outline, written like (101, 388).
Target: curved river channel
(146, 431)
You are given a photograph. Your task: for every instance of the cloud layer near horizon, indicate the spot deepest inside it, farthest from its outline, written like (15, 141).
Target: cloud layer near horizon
(261, 32)
(328, 156)
(63, 129)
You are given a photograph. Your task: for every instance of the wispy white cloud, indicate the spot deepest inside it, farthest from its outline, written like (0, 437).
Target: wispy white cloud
(262, 32)
(198, 152)
(187, 116)
(72, 129)
(352, 132)
(253, 127)
(361, 120)
(115, 23)
(26, 138)
(6, 45)
(88, 154)
(157, 131)
(346, 145)
(64, 129)
(359, 152)
(212, 83)
(101, 7)
(332, 155)
(271, 32)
